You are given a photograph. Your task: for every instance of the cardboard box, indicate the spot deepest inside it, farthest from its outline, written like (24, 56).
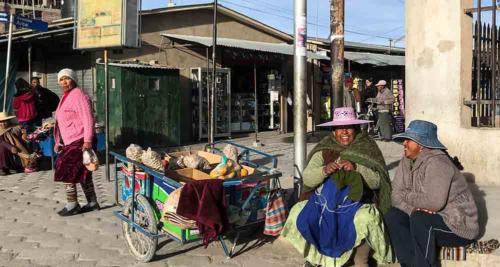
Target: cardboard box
(186, 175)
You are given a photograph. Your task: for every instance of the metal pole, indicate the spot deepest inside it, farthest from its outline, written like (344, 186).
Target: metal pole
(299, 94)
(337, 53)
(214, 80)
(106, 108)
(33, 5)
(313, 95)
(256, 110)
(7, 64)
(478, 65)
(494, 62)
(29, 63)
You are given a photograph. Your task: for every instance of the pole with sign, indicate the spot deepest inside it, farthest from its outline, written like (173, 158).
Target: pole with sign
(20, 22)
(7, 64)
(104, 25)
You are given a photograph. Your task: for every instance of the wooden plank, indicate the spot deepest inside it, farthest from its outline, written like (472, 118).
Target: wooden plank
(469, 11)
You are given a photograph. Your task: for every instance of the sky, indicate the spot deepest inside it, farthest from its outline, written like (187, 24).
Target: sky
(366, 21)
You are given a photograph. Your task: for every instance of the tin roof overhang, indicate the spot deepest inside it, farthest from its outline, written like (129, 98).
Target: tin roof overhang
(276, 48)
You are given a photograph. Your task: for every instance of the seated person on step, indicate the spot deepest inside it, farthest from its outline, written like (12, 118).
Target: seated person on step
(432, 203)
(347, 178)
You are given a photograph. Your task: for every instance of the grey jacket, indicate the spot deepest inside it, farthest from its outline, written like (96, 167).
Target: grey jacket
(385, 99)
(433, 182)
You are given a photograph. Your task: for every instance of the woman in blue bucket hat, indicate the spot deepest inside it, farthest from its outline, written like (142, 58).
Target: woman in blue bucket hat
(432, 205)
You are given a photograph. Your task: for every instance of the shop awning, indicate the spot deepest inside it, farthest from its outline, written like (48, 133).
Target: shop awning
(140, 66)
(277, 48)
(375, 59)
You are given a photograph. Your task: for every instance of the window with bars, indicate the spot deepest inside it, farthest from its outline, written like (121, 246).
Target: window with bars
(485, 93)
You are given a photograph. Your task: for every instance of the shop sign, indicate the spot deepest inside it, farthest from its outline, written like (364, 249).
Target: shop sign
(107, 24)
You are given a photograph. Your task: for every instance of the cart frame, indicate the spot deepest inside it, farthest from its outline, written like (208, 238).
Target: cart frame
(262, 174)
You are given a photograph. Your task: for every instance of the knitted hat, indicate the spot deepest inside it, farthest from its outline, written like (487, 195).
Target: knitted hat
(68, 73)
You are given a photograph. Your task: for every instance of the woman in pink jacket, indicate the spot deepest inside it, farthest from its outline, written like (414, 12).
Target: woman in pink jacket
(73, 133)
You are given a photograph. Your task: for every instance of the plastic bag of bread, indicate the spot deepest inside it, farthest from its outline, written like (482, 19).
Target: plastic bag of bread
(152, 159)
(231, 152)
(196, 162)
(134, 152)
(90, 160)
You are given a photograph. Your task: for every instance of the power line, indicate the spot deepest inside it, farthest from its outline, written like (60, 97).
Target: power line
(309, 23)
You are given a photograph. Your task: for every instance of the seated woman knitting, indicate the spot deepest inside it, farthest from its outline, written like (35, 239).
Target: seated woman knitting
(340, 222)
(14, 152)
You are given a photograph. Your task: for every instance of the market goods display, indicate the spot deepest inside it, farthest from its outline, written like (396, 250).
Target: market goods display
(134, 152)
(152, 159)
(231, 152)
(228, 168)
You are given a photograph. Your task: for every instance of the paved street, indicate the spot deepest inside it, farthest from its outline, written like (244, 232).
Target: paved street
(32, 234)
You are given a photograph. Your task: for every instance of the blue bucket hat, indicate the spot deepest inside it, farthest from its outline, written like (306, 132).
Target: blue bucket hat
(422, 132)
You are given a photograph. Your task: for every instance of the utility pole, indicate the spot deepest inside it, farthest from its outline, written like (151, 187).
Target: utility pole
(337, 53)
(7, 63)
(299, 94)
(211, 132)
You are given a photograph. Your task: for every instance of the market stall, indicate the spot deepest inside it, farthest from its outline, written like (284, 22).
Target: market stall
(241, 183)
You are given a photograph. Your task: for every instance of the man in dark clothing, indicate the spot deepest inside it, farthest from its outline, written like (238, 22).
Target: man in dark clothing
(46, 101)
(368, 92)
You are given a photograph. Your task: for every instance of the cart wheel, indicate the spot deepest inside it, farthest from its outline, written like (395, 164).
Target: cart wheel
(141, 246)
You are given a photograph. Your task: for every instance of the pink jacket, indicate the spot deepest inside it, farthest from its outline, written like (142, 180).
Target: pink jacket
(24, 105)
(74, 119)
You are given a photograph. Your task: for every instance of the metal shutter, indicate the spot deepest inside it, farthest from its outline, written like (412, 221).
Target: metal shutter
(84, 77)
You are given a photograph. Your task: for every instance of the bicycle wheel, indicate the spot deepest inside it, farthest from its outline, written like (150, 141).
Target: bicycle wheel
(141, 246)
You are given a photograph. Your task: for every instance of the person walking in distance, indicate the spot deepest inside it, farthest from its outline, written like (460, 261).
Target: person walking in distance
(384, 101)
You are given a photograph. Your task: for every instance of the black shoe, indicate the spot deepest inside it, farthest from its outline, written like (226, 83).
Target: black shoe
(88, 208)
(4, 172)
(65, 212)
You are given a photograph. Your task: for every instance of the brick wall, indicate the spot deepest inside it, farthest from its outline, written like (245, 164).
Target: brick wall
(49, 16)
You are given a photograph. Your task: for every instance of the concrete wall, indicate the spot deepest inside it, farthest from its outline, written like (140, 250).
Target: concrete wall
(438, 79)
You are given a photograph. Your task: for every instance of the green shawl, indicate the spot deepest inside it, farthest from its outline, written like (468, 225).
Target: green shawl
(363, 150)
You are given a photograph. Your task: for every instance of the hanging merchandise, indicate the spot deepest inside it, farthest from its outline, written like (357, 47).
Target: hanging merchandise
(398, 106)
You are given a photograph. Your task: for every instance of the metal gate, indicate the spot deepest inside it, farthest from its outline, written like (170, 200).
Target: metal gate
(485, 100)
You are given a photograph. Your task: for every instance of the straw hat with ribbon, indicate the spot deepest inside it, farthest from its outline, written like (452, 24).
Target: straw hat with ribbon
(5, 116)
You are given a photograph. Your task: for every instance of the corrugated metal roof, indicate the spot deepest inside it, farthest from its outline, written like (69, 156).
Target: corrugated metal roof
(277, 48)
(141, 66)
(349, 45)
(375, 59)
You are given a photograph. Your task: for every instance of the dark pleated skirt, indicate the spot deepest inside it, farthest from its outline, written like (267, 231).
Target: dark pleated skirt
(69, 165)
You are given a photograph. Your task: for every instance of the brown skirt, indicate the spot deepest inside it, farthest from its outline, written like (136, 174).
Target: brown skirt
(69, 165)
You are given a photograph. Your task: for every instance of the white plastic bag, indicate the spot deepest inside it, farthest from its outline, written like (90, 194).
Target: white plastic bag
(90, 160)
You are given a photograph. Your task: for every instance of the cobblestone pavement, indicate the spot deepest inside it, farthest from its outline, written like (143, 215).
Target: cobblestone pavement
(32, 234)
